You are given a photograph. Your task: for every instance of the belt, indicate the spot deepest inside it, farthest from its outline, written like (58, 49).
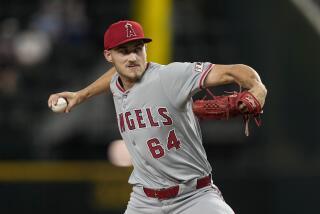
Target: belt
(172, 192)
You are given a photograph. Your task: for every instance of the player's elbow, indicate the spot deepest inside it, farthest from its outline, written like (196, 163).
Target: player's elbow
(246, 69)
(263, 89)
(244, 75)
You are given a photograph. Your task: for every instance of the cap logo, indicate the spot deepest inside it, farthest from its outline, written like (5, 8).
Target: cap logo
(130, 31)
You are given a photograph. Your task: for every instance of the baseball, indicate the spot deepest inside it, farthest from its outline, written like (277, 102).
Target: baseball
(60, 106)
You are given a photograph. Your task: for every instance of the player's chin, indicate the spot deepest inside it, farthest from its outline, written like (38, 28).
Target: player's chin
(135, 77)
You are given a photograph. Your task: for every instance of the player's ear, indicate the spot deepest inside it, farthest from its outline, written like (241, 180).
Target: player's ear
(107, 55)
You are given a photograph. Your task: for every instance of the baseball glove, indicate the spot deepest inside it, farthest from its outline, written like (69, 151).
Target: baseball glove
(228, 106)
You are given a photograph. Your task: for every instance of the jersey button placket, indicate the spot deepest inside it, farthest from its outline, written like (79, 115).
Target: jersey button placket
(124, 101)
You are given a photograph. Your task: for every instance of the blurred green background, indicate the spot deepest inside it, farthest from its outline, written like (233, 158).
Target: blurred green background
(56, 163)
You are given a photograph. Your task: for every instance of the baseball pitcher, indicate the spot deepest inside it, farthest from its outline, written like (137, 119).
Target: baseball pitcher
(157, 119)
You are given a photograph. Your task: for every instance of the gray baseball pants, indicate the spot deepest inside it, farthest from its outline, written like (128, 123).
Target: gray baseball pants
(207, 200)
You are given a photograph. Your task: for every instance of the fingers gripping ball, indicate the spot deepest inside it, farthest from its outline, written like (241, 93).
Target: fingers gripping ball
(60, 106)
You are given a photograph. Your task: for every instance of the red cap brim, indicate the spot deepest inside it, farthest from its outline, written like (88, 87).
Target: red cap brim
(145, 40)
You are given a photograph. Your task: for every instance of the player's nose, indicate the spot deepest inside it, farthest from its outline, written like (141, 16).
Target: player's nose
(132, 57)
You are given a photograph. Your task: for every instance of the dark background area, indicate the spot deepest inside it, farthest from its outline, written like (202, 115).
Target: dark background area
(274, 170)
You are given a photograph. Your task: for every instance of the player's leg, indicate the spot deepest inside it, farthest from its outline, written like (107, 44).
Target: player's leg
(205, 201)
(139, 203)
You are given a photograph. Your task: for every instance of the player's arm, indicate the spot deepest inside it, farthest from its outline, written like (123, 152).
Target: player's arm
(241, 74)
(101, 85)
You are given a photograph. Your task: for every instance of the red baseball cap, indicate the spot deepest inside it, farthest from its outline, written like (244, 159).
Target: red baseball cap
(122, 32)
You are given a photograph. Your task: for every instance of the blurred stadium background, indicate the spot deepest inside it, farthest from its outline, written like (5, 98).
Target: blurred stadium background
(54, 163)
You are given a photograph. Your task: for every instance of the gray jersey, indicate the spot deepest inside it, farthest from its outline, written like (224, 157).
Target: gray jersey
(156, 121)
